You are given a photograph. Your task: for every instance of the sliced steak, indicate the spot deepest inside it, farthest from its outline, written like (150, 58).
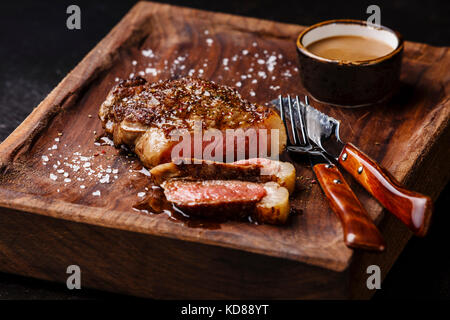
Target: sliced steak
(254, 170)
(229, 199)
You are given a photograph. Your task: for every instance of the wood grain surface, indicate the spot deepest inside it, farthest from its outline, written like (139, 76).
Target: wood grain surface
(405, 136)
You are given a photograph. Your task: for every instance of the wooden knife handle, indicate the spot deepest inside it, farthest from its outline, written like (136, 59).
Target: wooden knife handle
(359, 230)
(412, 208)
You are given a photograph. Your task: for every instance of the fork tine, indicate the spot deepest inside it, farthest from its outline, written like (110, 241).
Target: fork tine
(302, 124)
(303, 121)
(292, 120)
(283, 118)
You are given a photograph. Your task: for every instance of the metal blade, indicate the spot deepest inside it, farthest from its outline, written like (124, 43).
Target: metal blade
(323, 130)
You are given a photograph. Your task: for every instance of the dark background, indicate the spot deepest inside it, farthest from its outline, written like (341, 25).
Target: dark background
(37, 51)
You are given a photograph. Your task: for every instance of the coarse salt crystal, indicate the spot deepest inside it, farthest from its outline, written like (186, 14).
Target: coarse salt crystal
(96, 193)
(262, 74)
(153, 71)
(45, 158)
(53, 177)
(148, 53)
(105, 179)
(141, 194)
(144, 171)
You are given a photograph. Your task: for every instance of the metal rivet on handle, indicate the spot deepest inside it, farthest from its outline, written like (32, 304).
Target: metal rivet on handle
(344, 157)
(337, 181)
(360, 169)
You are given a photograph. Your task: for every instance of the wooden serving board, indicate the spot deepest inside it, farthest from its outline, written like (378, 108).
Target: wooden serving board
(49, 221)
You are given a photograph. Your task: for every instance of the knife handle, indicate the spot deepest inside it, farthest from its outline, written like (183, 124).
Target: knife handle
(412, 208)
(359, 230)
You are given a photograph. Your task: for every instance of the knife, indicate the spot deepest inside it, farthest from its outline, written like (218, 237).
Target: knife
(412, 208)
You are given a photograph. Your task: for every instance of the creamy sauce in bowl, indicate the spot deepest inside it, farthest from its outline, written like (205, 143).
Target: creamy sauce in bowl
(349, 48)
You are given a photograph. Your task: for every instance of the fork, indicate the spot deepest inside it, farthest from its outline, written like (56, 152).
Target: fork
(358, 229)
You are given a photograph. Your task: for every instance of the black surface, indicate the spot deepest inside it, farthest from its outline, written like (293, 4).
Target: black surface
(37, 51)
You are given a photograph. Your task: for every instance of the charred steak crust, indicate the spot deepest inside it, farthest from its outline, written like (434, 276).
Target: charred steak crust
(174, 104)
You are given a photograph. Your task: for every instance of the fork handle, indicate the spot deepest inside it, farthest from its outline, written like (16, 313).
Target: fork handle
(359, 230)
(412, 208)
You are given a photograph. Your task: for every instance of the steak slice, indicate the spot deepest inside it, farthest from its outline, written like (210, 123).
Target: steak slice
(254, 170)
(229, 199)
(143, 115)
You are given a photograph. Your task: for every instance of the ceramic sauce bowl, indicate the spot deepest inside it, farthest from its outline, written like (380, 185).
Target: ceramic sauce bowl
(350, 83)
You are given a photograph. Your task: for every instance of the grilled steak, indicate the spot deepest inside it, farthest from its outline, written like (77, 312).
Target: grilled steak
(229, 199)
(142, 115)
(253, 170)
